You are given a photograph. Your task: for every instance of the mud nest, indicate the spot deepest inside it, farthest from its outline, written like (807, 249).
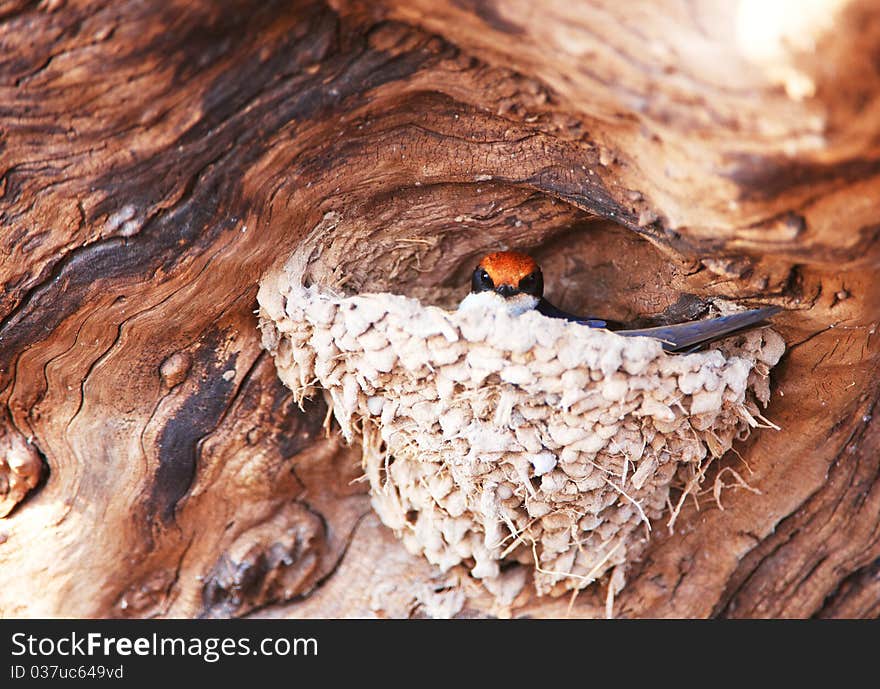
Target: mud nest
(489, 439)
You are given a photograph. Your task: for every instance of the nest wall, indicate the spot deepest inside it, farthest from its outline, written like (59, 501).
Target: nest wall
(491, 439)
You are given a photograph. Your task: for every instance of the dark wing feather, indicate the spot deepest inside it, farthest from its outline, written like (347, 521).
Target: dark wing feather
(546, 308)
(694, 334)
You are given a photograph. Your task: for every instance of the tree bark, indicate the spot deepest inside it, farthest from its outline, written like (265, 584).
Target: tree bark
(159, 157)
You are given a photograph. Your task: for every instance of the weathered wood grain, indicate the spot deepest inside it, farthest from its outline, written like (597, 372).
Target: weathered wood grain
(156, 158)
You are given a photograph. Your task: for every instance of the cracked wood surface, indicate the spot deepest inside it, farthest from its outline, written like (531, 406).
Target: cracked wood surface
(157, 158)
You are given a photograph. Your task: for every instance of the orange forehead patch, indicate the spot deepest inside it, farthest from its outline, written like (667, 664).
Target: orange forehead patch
(508, 267)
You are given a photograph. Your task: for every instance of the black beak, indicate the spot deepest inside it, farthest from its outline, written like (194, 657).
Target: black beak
(505, 290)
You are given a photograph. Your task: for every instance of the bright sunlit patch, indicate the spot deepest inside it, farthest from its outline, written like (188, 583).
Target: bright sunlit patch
(772, 32)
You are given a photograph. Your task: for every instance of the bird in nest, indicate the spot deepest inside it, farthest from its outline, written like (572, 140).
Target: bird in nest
(518, 280)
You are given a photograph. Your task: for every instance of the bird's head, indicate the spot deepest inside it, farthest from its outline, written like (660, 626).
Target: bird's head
(512, 275)
(508, 273)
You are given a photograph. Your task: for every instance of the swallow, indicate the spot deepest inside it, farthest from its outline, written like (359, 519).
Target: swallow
(518, 279)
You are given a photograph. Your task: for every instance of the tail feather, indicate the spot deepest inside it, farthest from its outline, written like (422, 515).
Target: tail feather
(684, 336)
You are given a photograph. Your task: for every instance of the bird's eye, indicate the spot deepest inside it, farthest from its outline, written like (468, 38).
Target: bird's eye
(532, 284)
(481, 281)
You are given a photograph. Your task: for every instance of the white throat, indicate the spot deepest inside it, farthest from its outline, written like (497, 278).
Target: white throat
(515, 305)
